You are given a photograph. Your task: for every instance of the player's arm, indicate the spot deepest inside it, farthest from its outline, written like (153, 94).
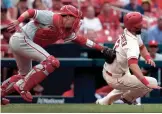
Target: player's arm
(133, 65)
(26, 15)
(87, 42)
(146, 55)
(30, 13)
(108, 53)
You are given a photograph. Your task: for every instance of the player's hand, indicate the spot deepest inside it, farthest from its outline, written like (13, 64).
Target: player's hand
(12, 26)
(151, 62)
(154, 86)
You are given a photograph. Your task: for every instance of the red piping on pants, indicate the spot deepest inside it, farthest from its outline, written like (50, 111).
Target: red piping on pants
(34, 47)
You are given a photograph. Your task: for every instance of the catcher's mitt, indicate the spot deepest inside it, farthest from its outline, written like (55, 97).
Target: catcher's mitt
(109, 55)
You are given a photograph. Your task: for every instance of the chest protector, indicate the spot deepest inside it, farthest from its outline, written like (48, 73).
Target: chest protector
(50, 34)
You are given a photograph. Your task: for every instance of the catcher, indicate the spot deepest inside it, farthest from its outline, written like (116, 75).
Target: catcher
(27, 44)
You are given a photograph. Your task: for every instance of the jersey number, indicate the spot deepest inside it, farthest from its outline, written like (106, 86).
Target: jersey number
(123, 42)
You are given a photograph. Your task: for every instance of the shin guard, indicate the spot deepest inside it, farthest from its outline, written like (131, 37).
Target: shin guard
(38, 74)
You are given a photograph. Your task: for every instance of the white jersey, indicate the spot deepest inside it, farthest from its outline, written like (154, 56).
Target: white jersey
(127, 47)
(42, 19)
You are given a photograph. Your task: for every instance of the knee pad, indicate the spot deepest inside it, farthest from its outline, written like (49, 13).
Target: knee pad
(39, 73)
(50, 64)
(55, 62)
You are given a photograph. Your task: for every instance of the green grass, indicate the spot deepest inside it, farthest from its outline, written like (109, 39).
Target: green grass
(80, 108)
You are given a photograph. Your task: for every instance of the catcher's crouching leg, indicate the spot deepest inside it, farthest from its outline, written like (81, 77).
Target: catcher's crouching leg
(7, 87)
(35, 76)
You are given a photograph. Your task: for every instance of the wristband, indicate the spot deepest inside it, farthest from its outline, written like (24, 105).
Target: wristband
(145, 81)
(147, 57)
(21, 19)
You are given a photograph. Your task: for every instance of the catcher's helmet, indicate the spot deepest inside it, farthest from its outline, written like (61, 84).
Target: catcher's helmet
(133, 21)
(71, 10)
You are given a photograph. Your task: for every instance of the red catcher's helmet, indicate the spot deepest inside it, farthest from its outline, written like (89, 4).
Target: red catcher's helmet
(133, 21)
(71, 10)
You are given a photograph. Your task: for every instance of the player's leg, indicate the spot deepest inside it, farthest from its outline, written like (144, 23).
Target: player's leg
(110, 97)
(24, 66)
(39, 72)
(138, 90)
(128, 85)
(7, 86)
(114, 94)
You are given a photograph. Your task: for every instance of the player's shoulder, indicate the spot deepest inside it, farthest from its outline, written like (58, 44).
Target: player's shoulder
(45, 11)
(130, 38)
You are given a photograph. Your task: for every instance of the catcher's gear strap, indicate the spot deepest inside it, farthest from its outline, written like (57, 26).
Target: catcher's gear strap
(109, 55)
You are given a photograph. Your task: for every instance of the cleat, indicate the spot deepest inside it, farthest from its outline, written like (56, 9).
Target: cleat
(5, 101)
(98, 101)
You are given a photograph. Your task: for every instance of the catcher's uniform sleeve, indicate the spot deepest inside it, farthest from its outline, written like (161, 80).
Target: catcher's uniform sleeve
(43, 17)
(87, 42)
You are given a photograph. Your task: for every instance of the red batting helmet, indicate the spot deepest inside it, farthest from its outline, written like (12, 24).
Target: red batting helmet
(133, 21)
(71, 10)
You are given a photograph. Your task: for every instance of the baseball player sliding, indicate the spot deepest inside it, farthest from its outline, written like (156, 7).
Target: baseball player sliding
(128, 87)
(26, 44)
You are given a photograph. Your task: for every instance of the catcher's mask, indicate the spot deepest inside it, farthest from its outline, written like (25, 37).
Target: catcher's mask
(72, 11)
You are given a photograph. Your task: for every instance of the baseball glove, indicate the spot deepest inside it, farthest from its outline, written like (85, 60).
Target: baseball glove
(109, 55)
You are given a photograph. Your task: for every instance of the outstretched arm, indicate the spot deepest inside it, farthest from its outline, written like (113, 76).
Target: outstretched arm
(87, 42)
(108, 53)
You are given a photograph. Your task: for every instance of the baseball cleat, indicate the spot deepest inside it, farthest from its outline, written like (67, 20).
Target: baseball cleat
(98, 101)
(130, 103)
(5, 101)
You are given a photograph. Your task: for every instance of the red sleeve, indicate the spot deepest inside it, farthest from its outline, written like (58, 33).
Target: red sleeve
(86, 42)
(132, 61)
(31, 12)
